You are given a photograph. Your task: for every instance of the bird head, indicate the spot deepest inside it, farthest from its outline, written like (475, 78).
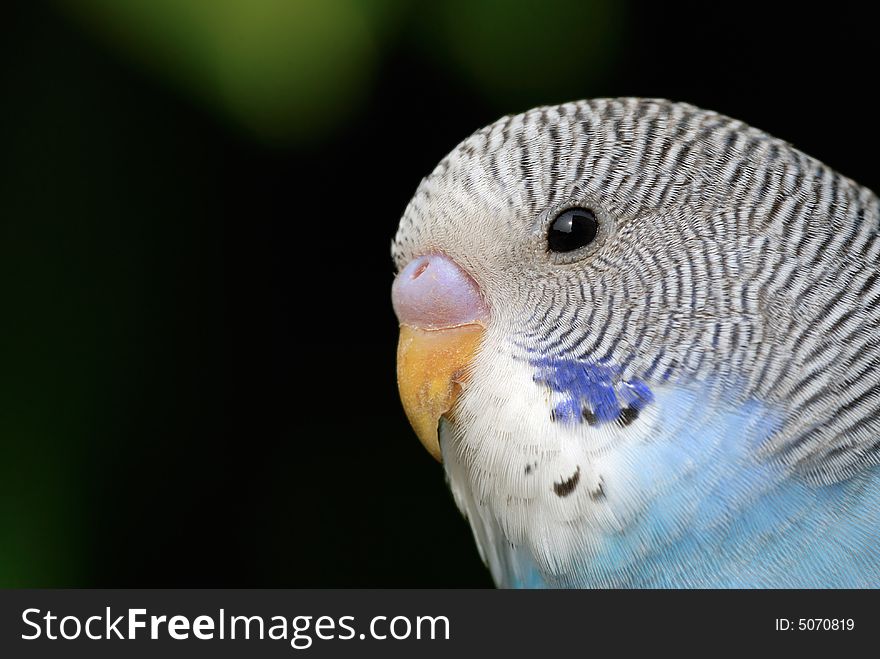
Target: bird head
(553, 236)
(606, 305)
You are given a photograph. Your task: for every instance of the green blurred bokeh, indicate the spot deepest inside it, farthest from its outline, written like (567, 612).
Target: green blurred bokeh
(285, 74)
(293, 70)
(524, 53)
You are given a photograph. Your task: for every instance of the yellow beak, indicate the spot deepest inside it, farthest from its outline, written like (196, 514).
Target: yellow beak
(432, 368)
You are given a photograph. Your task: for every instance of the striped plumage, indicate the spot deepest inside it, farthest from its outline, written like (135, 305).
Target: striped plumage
(727, 264)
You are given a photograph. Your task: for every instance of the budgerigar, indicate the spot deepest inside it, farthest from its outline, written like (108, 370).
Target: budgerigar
(644, 340)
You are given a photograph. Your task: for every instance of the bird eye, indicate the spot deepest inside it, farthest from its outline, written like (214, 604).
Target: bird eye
(571, 229)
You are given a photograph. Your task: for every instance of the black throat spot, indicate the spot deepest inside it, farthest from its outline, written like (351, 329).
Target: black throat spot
(567, 486)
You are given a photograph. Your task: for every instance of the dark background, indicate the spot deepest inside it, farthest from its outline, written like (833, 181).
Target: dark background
(196, 207)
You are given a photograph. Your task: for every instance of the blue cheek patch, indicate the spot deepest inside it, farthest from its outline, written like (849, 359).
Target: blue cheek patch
(593, 393)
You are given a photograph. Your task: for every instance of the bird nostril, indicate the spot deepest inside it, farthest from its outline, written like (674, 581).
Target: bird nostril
(421, 269)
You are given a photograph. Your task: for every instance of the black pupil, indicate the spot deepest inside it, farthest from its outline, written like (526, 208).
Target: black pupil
(572, 228)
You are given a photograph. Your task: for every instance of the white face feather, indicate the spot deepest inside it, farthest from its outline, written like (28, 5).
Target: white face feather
(554, 489)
